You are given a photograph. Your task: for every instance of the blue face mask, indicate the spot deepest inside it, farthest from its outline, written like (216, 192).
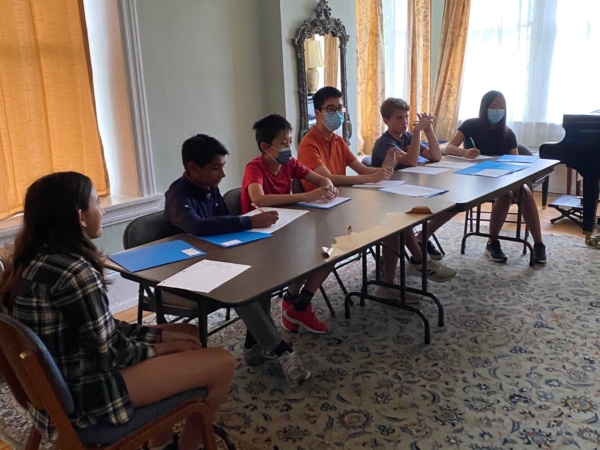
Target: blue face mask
(495, 115)
(334, 120)
(283, 155)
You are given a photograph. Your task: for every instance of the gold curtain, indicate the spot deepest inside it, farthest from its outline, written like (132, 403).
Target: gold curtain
(47, 112)
(370, 72)
(453, 42)
(332, 60)
(419, 13)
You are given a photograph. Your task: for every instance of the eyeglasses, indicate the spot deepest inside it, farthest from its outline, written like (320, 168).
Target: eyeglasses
(332, 108)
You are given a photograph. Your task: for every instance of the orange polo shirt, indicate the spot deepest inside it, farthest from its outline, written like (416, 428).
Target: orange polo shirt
(315, 150)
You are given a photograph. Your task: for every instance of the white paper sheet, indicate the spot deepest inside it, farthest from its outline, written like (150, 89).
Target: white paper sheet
(322, 204)
(451, 164)
(413, 191)
(492, 173)
(204, 276)
(379, 185)
(285, 217)
(425, 169)
(477, 158)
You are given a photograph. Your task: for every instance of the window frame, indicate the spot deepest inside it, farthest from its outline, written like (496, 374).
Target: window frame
(120, 208)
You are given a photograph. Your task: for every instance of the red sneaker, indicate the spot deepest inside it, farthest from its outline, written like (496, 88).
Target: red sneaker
(285, 304)
(287, 325)
(306, 318)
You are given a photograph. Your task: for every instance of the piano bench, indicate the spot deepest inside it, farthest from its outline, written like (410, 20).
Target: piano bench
(569, 206)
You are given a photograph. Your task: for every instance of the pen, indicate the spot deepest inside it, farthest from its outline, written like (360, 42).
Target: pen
(472, 143)
(256, 207)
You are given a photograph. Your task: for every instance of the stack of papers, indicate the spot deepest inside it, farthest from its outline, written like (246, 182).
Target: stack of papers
(379, 185)
(477, 158)
(323, 204)
(428, 170)
(452, 164)
(414, 191)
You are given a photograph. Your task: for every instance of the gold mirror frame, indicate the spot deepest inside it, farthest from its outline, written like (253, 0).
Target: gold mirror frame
(322, 24)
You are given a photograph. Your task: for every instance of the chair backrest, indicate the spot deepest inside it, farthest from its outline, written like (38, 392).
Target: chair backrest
(233, 200)
(148, 228)
(297, 187)
(367, 161)
(32, 374)
(524, 150)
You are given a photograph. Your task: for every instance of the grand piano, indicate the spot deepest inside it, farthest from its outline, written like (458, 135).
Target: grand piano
(580, 150)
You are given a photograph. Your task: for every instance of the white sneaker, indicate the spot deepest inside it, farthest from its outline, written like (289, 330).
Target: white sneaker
(387, 292)
(293, 369)
(256, 355)
(436, 271)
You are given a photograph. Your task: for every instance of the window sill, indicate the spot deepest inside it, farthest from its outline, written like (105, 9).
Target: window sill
(118, 209)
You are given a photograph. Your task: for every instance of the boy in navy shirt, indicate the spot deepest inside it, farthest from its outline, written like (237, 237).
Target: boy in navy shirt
(194, 205)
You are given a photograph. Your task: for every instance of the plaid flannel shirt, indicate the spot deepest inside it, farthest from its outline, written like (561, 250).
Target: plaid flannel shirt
(61, 298)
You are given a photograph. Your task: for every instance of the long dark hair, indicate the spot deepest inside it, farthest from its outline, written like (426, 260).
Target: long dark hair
(486, 101)
(51, 225)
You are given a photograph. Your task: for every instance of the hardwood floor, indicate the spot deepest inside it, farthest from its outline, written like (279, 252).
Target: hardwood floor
(563, 226)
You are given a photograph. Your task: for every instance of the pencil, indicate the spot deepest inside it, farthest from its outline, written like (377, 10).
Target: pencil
(256, 207)
(472, 143)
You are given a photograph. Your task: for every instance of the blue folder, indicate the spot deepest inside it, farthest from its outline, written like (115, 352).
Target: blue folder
(472, 170)
(234, 239)
(143, 258)
(519, 158)
(422, 160)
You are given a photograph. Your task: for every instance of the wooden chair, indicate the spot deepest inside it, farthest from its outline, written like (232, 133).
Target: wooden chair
(34, 379)
(149, 228)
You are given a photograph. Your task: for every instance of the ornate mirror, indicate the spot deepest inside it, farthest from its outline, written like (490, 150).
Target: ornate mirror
(320, 45)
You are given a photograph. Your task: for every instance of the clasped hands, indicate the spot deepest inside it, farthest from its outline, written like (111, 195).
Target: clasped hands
(325, 193)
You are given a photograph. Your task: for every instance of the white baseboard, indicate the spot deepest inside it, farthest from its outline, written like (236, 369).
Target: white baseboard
(122, 294)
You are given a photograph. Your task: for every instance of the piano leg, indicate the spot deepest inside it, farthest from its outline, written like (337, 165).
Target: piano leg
(590, 202)
(545, 185)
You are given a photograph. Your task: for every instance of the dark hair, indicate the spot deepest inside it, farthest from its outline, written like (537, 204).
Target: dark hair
(323, 94)
(51, 225)
(269, 127)
(391, 105)
(201, 149)
(486, 101)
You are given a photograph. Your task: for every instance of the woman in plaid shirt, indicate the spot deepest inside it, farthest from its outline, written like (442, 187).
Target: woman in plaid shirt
(56, 286)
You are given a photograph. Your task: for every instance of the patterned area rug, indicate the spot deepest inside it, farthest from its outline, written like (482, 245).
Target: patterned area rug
(516, 365)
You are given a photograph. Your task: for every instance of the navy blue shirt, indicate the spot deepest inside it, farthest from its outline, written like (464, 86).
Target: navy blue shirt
(489, 141)
(200, 211)
(387, 141)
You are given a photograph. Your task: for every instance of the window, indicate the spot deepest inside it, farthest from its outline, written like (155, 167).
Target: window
(396, 50)
(541, 54)
(126, 137)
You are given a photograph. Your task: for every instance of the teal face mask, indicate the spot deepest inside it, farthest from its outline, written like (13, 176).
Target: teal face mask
(334, 120)
(495, 115)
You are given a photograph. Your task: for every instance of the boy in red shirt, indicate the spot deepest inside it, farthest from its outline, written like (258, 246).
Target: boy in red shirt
(267, 182)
